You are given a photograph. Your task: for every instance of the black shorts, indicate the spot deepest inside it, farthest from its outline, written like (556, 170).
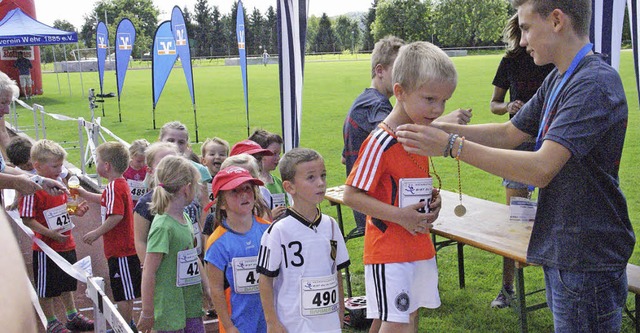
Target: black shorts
(125, 277)
(51, 280)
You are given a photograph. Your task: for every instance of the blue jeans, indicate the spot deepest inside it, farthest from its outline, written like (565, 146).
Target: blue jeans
(586, 301)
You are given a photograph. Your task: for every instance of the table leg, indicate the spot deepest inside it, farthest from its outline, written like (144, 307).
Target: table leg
(521, 304)
(637, 312)
(347, 274)
(461, 265)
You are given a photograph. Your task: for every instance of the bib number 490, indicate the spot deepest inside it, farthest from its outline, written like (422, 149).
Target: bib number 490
(325, 298)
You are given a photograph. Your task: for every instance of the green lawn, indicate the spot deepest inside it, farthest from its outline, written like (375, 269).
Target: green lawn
(331, 84)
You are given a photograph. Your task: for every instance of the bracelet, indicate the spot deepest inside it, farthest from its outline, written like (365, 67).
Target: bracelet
(452, 140)
(460, 148)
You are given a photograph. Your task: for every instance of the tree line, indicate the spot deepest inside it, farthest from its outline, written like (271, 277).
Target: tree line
(447, 23)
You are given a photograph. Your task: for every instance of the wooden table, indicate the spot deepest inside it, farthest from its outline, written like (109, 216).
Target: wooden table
(485, 226)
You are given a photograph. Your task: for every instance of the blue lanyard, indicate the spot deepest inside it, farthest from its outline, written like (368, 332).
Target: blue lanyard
(554, 93)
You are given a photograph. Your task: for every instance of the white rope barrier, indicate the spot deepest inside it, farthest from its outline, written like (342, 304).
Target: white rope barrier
(104, 310)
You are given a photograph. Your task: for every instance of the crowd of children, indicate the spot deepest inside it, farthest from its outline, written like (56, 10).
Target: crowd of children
(270, 258)
(273, 260)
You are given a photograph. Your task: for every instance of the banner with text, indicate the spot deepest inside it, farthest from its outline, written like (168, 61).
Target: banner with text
(125, 37)
(164, 57)
(181, 37)
(102, 40)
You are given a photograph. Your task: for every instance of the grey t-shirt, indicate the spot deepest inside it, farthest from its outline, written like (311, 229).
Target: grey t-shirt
(582, 222)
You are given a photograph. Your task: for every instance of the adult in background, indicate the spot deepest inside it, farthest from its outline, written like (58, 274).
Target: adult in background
(521, 77)
(265, 58)
(372, 106)
(582, 236)
(24, 69)
(11, 177)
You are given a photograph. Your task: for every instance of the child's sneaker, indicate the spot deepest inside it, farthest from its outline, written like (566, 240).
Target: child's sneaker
(503, 300)
(57, 327)
(80, 323)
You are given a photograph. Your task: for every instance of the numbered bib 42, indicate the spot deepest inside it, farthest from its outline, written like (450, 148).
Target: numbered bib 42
(188, 269)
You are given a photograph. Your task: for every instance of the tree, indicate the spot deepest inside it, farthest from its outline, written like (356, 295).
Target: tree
(142, 13)
(203, 30)
(367, 21)
(255, 33)
(407, 19)
(218, 40)
(343, 33)
(272, 27)
(476, 22)
(324, 40)
(313, 23)
(64, 25)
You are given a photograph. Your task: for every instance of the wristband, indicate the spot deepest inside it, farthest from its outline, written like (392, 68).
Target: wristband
(37, 179)
(452, 140)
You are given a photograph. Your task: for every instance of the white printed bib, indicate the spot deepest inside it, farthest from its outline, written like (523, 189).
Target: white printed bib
(245, 276)
(138, 189)
(319, 295)
(58, 219)
(188, 269)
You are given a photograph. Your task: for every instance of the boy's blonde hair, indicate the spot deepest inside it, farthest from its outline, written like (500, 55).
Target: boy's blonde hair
(138, 147)
(116, 154)
(421, 62)
(292, 158)
(171, 174)
(244, 161)
(216, 140)
(150, 157)
(250, 164)
(385, 52)
(44, 151)
(172, 125)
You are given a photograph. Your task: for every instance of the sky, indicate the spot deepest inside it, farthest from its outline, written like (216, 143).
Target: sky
(47, 11)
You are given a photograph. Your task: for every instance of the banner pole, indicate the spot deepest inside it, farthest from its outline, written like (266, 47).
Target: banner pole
(195, 120)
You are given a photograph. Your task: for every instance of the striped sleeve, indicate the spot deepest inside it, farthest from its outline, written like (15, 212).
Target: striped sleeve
(112, 201)
(27, 206)
(270, 255)
(368, 167)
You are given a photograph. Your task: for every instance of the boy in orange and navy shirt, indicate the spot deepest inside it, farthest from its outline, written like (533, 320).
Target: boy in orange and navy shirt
(401, 274)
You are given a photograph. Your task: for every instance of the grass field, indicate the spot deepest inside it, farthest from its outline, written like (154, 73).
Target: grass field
(330, 87)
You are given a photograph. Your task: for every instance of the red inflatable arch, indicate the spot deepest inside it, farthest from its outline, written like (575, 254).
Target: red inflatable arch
(8, 55)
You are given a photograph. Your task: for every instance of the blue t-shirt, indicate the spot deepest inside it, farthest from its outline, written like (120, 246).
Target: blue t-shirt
(582, 222)
(369, 109)
(226, 244)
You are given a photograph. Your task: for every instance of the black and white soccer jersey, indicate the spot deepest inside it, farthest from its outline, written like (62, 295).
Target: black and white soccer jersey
(304, 259)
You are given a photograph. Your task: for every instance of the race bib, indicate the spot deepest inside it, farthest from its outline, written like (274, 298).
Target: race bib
(522, 209)
(319, 295)
(138, 189)
(58, 219)
(245, 276)
(188, 269)
(414, 190)
(197, 237)
(278, 199)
